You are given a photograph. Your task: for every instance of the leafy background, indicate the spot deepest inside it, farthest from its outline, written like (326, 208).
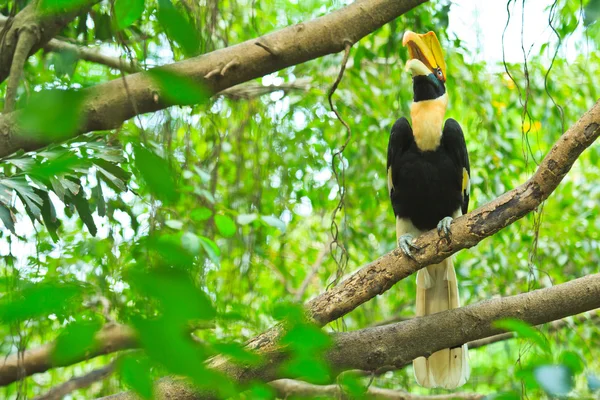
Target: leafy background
(210, 217)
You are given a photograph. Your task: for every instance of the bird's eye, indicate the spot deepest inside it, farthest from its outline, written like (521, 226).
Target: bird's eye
(438, 72)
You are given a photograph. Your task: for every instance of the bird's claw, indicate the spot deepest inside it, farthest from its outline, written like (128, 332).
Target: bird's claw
(443, 227)
(405, 243)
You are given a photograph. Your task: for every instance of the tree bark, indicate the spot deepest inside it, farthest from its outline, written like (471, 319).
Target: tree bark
(108, 105)
(111, 338)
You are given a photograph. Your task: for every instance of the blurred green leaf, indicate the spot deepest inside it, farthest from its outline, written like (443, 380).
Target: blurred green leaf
(53, 115)
(178, 28)
(134, 369)
(572, 360)
(593, 383)
(200, 214)
(77, 339)
(174, 224)
(591, 12)
(40, 299)
(524, 330)
(238, 353)
(127, 12)
(180, 298)
(64, 62)
(274, 222)
(177, 88)
(211, 248)
(225, 225)
(556, 380)
(156, 173)
(60, 6)
(245, 219)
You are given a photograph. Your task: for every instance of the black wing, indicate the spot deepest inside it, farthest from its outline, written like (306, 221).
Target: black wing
(400, 140)
(454, 142)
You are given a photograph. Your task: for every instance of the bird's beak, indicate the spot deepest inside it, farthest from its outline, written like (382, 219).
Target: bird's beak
(427, 49)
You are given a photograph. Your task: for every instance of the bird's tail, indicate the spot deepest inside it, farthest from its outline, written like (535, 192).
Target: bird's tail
(437, 291)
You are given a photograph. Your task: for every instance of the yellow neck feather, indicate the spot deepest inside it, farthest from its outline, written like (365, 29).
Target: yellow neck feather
(427, 122)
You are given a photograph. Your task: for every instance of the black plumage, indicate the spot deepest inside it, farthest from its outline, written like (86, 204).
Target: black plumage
(428, 185)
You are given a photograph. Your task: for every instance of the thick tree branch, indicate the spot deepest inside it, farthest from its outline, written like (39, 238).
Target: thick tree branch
(31, 19)
(109, 104)
(79, 382)
(111, 338)
(398, 344)
(26, 40)
(290, 387)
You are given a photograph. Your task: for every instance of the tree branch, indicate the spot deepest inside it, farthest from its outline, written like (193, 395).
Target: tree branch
(25, 41)
(111, 338)
(31, 18)
(78, 382)
(108, 105)
(290, 387)
(398, 344)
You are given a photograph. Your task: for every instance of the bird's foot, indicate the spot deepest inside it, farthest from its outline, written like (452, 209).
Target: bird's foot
(443, 227)
(405, 243)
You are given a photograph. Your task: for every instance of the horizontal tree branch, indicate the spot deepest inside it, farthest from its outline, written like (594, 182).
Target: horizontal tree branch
(398, 344)
(78, 382)
(290, 387)
(112, 337)
(108, 105)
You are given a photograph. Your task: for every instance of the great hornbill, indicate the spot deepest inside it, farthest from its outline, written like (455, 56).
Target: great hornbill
(428, 182)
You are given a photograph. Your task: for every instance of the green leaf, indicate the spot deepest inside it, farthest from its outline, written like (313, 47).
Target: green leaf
(572, 360)
(64, 62)
(178, 28)
(174, 224)
(593, 383)
(211, 248)
(8, 218)
(524, 330)
(180, 298)
(52, 115)
(556, 380)
(156, 172)
(306, 338)
(274, 222)
(102, 26)
(238, 353)
(245, 219)
(83, 209)
(100, 203)
(77, 339)
(39, 299)
(225, 225)
(135, 373)
(127, 12)
(200, 214)
(591, 12)
(60, 6)
(49, 215)
(179, 89)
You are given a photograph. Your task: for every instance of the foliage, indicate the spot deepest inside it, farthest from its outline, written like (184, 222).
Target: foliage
(214, 214)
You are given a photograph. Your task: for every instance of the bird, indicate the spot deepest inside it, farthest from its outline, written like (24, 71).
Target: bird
(428, 177)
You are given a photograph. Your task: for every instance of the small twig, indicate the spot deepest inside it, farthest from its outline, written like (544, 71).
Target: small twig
(25, 42)
(231, 64)
(78, 382)
(267, 48)
(212, 73)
